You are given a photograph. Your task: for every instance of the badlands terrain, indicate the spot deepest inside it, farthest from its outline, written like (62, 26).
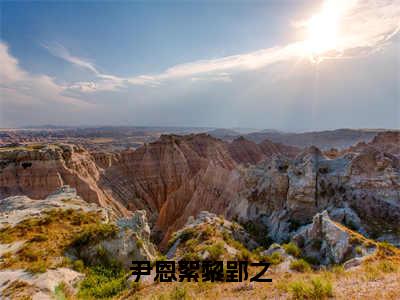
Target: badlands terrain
(78, 205)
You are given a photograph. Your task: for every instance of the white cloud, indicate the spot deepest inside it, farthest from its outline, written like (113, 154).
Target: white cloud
(365, 27)
(18, 87)
(60, 51)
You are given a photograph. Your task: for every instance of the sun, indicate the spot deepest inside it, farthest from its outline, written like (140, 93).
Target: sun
(323, 28)
(322, 33)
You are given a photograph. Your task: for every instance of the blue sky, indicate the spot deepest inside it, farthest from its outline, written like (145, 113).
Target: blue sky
(201, 63)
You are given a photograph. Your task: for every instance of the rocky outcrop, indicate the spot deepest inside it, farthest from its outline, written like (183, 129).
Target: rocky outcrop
(88, 237)
(179, 176)
(15, 209)
(328, 242)
(270, 149)
(131, 242)
(171, 178)
(38, 171)
(19, 284)
(245, 151)
(210, 237)
(388, 141)
(361, 188)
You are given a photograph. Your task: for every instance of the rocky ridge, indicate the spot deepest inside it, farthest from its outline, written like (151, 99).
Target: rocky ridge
(120, 240)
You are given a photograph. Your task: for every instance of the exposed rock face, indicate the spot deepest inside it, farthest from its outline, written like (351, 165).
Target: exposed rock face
(179, 176)
(248, 152)
(329, 242)
(362, 189)
(18, 208)
(172, 178)
(388, 141)
(200, 237)
(132, 242)
(269, 149)
(244, 151)
(38, 286)
(38, 172)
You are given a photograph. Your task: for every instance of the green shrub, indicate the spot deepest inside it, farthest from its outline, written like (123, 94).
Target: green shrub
(245, 255)
(95, 233)
(191, 244)
(190, 256)
(317, 288)
(61, 292)
(179, 293)
(208, 232)
(387, 266)
(102, 282)
(292, 249)
(78, 265)
(39, 237)
(187, 234)
(275, 258)
(37, 267)
(216, 250)
(139, 243)
(300, 265)
(322, 288)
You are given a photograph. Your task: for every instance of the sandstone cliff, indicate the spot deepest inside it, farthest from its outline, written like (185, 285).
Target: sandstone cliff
(37, 172)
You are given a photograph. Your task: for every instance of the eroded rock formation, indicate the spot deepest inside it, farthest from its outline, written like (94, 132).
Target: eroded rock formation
(37, 172)
(178, 176)
(360, 188)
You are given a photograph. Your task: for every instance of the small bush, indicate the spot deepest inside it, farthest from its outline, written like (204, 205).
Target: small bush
(292, 249)
(275, 258)
(179, 293)
(95, 233)
(387, 266)
(78, 265)
(322, 288)
(300, 265)
(245, 255)
(37, 267)
(139, 243)
(102, 282)
(216, 250)
(338, 269)
(39, 238)
(61, 292)
(187, 234)
(191, 244)
(191, 256)
(317, 288)
(208, 232)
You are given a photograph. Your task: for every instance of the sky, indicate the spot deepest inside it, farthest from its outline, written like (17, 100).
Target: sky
(288, 65)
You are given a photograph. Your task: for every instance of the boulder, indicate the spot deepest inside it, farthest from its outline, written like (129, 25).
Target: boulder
(329, 242)
(132, 242)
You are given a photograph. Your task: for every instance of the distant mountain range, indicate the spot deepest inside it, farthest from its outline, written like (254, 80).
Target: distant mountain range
(339, 138)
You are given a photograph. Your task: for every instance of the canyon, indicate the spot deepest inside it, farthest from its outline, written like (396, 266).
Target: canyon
(67, 210)
(273, 185)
